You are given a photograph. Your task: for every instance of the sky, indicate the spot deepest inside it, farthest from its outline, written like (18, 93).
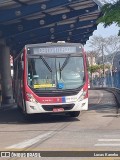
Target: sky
(104, 32)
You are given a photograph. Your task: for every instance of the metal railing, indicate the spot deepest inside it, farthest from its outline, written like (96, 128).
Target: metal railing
(114, 91)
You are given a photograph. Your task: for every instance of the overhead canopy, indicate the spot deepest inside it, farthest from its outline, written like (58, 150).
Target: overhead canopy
(37, 21)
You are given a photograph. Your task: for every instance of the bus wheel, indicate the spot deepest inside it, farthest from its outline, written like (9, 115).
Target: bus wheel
(74, 113)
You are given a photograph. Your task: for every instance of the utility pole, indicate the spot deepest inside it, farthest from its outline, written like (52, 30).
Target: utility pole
(103, 65)
(112, 67)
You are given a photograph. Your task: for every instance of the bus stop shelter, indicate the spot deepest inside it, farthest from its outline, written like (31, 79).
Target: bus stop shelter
(27, 22)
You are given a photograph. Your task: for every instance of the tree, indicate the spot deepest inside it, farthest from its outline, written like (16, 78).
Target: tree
(91, 56)
(113, 44)
(97, 43)
(92, 53)
(111, 14)
(104, 46)
(92, 69)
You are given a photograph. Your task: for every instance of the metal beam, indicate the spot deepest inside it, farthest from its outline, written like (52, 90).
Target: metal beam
(18, 1)
(21, 12)
(27, 26)
(80, 40)
(98, 3)
(72, 38)
(56, 39)
(59, 36)
(19, 47)
(65, 35)
(70, 8)
(52, 30)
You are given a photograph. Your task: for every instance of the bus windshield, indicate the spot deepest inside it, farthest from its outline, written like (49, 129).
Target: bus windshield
(55, 73)
(47, 73)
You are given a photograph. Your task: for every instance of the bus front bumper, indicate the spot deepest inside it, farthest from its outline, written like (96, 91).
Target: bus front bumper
(32, 108)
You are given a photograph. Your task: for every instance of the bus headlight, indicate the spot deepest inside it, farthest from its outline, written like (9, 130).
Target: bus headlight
(30, 98)
(83, 96)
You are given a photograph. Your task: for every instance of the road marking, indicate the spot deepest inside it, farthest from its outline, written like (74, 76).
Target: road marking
(107, 145)
(108, 140)
(32, 141)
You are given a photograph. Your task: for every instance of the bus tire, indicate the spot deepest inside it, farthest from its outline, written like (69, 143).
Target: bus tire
(74, 113)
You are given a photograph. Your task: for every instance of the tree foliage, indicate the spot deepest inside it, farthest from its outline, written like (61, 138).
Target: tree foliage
(97, 68)
(93, 68)
(111, 14)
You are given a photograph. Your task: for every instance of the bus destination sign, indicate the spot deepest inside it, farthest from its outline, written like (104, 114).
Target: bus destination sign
(54, 50)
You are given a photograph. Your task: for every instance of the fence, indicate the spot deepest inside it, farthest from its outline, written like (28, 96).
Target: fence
(114, 80)
(107, 81)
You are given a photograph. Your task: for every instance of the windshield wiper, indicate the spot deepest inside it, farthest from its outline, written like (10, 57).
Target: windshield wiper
(65, 62)
(47, 65)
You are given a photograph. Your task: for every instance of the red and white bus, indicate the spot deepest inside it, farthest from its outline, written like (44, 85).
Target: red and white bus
(50, 78)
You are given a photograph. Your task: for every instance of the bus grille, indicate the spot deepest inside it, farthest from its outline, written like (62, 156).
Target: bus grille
(55, 93)
(65, 106)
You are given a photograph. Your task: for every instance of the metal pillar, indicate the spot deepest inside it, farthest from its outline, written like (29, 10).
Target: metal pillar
(0, 90)
(6, 81)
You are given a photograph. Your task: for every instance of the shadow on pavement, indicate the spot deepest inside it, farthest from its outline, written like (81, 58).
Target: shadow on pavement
(103, 108)
(15, 116)
(116, 116)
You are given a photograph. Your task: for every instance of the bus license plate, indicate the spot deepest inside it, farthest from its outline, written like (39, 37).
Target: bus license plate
(58, 109)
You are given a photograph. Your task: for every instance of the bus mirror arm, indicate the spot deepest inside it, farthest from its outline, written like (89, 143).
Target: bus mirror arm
(22, 64)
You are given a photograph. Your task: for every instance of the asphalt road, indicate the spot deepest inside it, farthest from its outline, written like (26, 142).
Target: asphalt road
(97, 129)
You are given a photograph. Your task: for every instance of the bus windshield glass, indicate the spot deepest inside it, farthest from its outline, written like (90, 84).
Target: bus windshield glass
(55, 72)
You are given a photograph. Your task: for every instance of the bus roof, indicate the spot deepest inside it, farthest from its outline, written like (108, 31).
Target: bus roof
(54, 44)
